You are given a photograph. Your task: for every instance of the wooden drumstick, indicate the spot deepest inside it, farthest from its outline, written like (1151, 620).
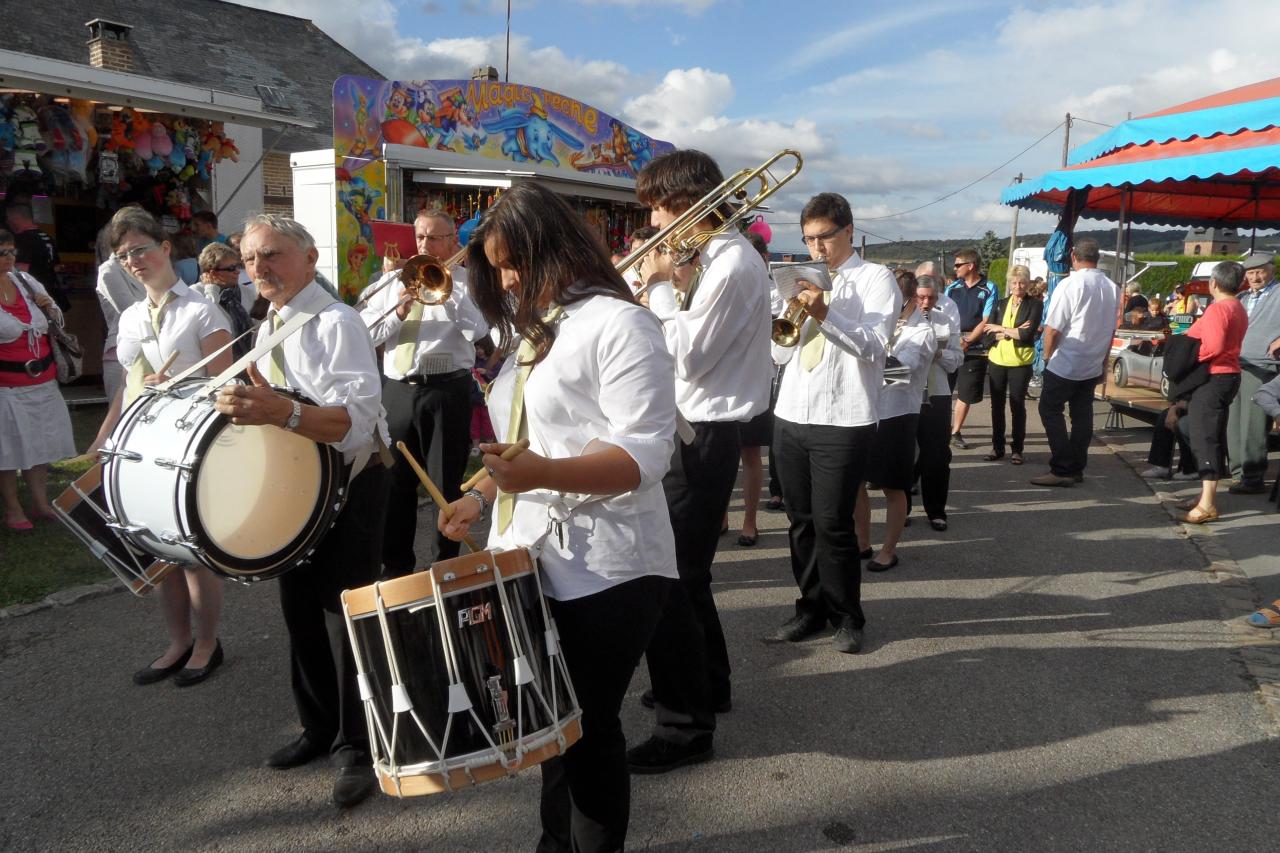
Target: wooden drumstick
(507, 455)
(168, 362)
(436, 496)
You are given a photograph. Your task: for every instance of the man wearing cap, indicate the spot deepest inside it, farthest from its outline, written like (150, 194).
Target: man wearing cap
(1248, 425)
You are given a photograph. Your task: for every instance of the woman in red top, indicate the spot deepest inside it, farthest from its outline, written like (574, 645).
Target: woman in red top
(35, 428)
(1221, 331)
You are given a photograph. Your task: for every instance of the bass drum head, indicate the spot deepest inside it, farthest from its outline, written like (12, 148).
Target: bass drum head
(262, 497)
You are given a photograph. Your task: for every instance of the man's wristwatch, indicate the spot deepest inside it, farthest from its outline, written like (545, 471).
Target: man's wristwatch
(292, 423)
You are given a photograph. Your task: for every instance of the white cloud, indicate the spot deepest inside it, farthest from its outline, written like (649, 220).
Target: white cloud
(689, 7)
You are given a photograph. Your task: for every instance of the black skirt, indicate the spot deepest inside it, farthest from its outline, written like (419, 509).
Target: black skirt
(892, 461)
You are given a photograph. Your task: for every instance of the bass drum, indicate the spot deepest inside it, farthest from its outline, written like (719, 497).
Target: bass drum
(184, 484)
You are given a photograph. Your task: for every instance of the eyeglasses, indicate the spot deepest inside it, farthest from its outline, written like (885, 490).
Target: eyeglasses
(234, 268)
(134, 253)
(962, 264)
(809, 240)
(8, 253)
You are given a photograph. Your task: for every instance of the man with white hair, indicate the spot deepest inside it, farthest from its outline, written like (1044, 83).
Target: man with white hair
(330, 359)
(933, 430)
(1248, 424)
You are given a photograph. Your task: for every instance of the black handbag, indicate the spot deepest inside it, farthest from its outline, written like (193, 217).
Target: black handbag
(68, 354)
(1182, 366)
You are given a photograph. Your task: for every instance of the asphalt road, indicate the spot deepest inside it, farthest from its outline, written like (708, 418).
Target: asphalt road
(1053, 673)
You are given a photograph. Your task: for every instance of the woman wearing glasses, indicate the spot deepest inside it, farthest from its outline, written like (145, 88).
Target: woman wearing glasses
(220, 269)
(173, 321)
(34, 426)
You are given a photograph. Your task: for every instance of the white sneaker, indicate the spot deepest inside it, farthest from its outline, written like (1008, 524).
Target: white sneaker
(1157, 473)
(1194, 475)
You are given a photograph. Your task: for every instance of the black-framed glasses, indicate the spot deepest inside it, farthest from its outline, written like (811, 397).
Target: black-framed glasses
(810, 239)
(957, 266)
(134, 253)
(234, 268)
(8, 253)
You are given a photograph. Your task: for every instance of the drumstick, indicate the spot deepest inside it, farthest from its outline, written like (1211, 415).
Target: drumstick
(507, 455)
(436, 496)
(164, 368)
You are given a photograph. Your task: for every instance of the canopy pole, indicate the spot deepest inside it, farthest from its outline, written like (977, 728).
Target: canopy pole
(1257, 188)
(1120, 267)
(280, 131)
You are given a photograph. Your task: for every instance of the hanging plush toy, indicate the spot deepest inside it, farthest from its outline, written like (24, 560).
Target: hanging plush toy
(30, 144)
(119, 140)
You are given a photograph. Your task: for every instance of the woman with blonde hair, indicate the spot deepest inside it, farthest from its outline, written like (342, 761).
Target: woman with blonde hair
(1013, 327)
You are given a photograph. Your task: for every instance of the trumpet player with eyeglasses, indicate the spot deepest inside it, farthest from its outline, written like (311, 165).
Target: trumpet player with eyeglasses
(825, 421)
(429, 350)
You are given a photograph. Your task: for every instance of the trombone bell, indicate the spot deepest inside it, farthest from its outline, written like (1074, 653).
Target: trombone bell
(427, 280)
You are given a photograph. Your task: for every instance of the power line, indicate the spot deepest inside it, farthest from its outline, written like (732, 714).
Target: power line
(1091, 121)
(970, 184)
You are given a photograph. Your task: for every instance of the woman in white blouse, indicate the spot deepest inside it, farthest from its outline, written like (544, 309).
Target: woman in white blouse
(891, 465)
(598, 407)
(191, 326)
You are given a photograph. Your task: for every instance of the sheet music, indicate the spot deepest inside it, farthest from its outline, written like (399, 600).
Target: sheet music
(787, 277)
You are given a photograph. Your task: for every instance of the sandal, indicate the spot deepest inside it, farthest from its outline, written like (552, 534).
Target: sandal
(1200, 515)
(1015, 459)
(1266, 617)
(748, 541)
(1188, 504)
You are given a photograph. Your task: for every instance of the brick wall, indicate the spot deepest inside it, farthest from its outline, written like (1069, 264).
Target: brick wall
(111, 54)
(277, 184)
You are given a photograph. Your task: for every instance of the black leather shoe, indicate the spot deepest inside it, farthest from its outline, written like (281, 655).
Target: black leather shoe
(724, 706)
(873, 566)
(938, 524)
(152, 674)
(1247, 488)
(353, 786)
(301, 750)
(867, 554)
(660, 756)
(188, 677)
(847, 639)
(795, 629)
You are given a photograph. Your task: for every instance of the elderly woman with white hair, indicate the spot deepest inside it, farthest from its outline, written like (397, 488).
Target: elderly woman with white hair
(1013, 327)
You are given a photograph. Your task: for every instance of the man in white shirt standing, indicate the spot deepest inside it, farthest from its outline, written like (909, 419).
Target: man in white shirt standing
(330, 360)
(825, 421)
(1082, 320)
(428, 354)
(720, 342)
(933, 431)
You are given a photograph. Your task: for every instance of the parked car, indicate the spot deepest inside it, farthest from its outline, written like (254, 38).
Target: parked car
(1138, 360)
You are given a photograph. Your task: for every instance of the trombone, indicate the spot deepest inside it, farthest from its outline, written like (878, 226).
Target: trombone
(425, 279)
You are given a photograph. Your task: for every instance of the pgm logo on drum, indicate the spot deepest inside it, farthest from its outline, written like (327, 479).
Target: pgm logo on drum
(475, 615)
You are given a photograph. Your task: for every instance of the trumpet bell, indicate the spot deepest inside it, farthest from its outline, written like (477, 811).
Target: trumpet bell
(427, 280)
(785, 332)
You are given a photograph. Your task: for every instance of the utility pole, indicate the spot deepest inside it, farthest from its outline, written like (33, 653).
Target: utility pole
(506, 70)
(1013, 235)
(864, 247)
(1066, 139)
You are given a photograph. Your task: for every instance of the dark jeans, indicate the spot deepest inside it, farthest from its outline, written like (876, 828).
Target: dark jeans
(586, 793)
(933, 464)
(323, 670)
(1162, 441)
(434, 421)
(1068, 453)
(1207, 417)
(822, 467)
(1011, 383)
(688, 660)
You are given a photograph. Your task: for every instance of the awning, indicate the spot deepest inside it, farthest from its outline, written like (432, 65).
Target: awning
(25, 72)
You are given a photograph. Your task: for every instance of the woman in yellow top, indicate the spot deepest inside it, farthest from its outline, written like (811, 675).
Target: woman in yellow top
(1013, 327)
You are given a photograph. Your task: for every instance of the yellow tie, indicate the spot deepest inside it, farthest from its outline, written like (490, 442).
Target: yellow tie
(408, 341)
(138, 371)
(814, 341)
(277, 355)
(518, 425)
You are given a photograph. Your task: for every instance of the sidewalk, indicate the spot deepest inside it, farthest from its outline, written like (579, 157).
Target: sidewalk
(1053, 673)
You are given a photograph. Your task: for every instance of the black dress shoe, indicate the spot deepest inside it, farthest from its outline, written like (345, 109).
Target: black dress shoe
(867, 554)
(301, 750)
(847, 639)
(188, 676)
(873, 566)
(152, 674)
(938, 524)
(660, 756)
(723, 706)
(795, 629)
(353, 786)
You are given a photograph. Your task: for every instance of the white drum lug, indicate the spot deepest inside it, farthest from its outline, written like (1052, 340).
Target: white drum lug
(172, 464)
(523, 672)
(175, 539)
(366, 692)
(127, 528)
(400, 701)
(553, 642)
(459, 701)
(128, 455)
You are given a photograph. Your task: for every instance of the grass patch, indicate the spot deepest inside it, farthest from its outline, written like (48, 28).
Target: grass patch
(37, 562)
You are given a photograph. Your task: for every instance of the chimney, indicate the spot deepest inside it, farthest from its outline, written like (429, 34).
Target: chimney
(484, 72)
(109, 45)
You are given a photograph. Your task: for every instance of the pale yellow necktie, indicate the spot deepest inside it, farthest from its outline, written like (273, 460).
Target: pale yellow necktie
(517, 423)
(141, 367)
(277, 355)
(408, 341)
(814, 342)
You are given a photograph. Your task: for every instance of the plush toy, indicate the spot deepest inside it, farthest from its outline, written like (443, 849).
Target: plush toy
(67, 156)
(179, 203)
(82, 114)
(160, 142)
(30, 144)
(120, 140)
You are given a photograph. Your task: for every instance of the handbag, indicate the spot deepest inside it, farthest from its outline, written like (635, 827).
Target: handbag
(68, 354)
(1182, 366)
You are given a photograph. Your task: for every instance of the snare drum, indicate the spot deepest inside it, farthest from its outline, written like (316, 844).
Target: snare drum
(82, 510)
(184, 484)
(461, 673)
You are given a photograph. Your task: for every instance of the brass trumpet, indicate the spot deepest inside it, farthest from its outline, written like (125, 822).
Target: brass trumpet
(786, 326)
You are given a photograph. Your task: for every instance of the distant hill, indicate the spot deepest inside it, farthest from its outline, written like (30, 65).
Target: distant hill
(914, 251)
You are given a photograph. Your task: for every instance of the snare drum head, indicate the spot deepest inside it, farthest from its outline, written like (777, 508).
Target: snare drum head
(257, 489)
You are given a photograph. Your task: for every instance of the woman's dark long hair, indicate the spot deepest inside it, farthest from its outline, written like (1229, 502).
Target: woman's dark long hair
(559, 259)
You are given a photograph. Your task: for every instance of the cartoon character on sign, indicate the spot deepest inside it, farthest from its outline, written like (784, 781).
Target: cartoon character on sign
(408, 116)
(531, 135)
(359, 201)
(357, 255)
(361, 146)
(455, 119)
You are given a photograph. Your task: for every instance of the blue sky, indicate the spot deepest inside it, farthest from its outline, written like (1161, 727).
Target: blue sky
(894, 104)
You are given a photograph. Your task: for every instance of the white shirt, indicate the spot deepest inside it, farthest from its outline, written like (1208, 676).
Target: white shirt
(331, 361)
(117, 289)
(185, 322)
(843, 389)
(1083, 310)
(606, 377)
(11, 328)
(951, 355)
(721, 343)
(915, 345)
(446, 335)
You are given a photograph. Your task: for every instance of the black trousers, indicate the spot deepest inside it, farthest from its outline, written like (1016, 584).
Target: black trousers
(775, 482)
(434, 422)
(1162, 442)
(1207, 415)
(323, 670)
(688, 659)
(1068, 453)
(822, 467)
(586, 793)
(933, 462)
(1008, 383)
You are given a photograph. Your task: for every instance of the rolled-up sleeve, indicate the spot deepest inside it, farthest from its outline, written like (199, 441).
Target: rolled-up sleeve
(637, 395)
(351, 380)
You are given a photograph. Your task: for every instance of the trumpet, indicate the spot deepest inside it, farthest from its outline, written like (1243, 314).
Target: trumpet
(786, 326)
(425, 279)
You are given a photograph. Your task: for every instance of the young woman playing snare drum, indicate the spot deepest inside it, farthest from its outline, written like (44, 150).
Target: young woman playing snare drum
(598, 407)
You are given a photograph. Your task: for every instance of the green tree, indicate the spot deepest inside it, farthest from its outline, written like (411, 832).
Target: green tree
(992, 247)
